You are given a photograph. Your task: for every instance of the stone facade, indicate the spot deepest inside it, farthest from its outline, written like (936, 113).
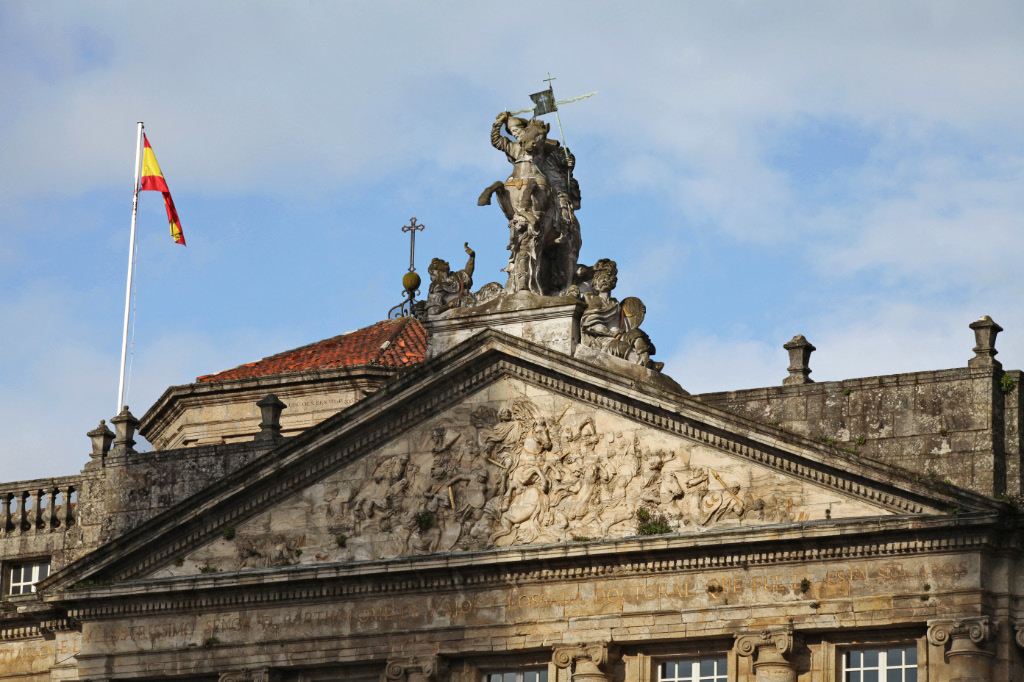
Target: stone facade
(307, 558)
(507, 488)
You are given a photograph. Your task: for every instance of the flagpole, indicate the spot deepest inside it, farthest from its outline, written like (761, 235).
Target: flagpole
(131, 268)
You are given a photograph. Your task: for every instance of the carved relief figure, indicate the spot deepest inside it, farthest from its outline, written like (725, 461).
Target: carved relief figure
(387, 485)
(509, 473)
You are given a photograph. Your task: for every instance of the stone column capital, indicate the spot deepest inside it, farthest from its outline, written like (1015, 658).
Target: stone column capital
(780, 641)
(246, 675)
(979, 629)
(1018, 632)
(586, 662)
(770, 651)
(413, 669)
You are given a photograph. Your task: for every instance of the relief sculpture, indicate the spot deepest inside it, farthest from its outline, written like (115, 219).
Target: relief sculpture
(506, 472)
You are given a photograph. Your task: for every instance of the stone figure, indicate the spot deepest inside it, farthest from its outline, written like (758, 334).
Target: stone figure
(450, 289)
(608, 325)
(539, 199)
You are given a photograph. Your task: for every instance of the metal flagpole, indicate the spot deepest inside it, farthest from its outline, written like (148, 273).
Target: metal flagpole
(131, 267)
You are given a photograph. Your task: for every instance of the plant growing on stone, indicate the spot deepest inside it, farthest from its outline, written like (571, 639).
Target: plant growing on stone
(1007, 384)
(208, 569)
(425, 520)
(228, 532)
(773, 422)
(860, 440)
(210, 642)
(805, 585)
(341, 540)
(580, 538)
(651, 523)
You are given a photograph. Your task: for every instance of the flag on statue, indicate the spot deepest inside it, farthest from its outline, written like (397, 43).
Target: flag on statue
(153, 179)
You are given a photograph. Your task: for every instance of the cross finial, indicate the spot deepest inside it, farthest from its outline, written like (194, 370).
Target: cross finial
(549, 79)
(412, 228)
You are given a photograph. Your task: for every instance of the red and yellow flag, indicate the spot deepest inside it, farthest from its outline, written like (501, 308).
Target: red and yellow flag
(153, 179)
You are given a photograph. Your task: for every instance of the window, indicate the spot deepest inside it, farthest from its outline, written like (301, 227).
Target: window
(693, 670)
(881, 665)
(23, 577)
(518, 676)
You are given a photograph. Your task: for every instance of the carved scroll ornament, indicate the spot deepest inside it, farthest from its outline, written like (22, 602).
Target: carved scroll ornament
(412, 669)
(979, 630)
(586, 662)
(257, 675)
(781, 641)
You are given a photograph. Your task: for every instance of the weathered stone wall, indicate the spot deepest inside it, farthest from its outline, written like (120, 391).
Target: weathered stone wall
(957, 424)
(115, 498)
(137, 487)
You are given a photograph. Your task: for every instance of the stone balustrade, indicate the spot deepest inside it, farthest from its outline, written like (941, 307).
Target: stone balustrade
(43, 505)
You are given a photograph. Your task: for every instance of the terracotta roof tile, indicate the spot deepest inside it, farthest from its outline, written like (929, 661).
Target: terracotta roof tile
(391, 343)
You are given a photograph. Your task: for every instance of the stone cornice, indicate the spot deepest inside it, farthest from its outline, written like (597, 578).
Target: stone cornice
(748, 548)
(423, 392)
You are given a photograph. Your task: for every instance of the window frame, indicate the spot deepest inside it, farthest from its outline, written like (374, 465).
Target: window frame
(518, 671)
(835, 645)
(696, 663)
(882, 666)
(35, 563)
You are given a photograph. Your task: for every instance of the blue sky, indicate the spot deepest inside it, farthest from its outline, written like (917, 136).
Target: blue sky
(849, 171)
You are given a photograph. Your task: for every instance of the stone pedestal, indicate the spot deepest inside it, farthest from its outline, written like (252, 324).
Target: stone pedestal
(770, 651)
(965, 642)
(550, 322)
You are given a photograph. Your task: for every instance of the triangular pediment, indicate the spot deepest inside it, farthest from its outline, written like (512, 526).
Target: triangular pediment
(501, 443)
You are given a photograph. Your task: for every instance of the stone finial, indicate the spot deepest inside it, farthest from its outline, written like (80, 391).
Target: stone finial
(101, 437)
(125, 425)
(270, 409)
(800, 350)
(985, 332)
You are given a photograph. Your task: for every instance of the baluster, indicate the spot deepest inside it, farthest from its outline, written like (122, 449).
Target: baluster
(38, 511)
(7, 497)
(68, 519)
(23, 524)
(54, 521)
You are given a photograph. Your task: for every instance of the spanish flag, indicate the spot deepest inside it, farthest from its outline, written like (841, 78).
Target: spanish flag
(153, 179)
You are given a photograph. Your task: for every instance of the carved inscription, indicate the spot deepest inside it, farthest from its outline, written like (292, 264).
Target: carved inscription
(692, 591)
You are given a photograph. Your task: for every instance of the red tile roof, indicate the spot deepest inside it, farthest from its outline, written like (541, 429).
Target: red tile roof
(391, 343)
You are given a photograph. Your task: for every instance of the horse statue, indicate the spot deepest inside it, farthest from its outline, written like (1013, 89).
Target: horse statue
(539, 199)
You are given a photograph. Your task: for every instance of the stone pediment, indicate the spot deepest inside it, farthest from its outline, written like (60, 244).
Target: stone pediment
(498, 443)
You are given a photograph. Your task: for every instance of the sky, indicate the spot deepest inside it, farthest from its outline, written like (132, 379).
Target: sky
(852, 172)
